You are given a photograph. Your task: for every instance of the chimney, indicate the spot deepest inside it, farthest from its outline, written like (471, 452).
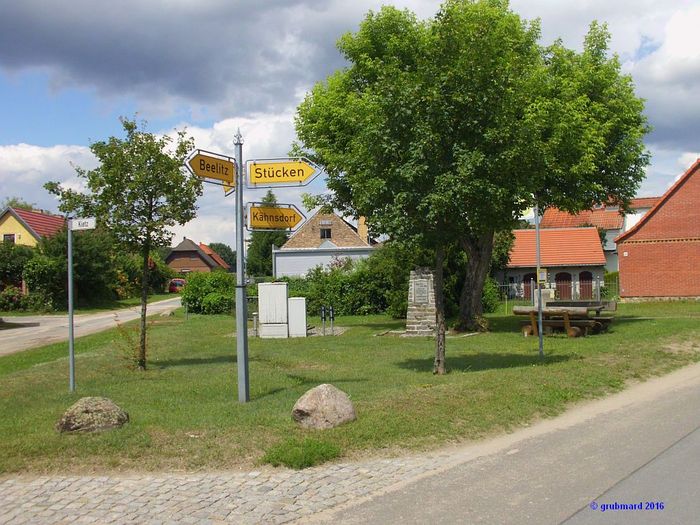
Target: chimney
(362, 229)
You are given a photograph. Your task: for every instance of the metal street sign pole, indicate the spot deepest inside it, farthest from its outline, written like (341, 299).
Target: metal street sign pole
(539, 288)
(241, 302)
(71, 349)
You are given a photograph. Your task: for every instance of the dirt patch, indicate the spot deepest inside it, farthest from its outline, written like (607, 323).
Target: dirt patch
(683, 347)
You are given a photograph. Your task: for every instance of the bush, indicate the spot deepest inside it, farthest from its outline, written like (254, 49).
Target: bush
(201, 285)
(11, 298)
(299, 454)
(47, 276)
(490, 297)
(217, 303)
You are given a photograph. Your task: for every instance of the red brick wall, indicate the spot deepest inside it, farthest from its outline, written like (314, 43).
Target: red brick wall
(660, 269)
(663, 256)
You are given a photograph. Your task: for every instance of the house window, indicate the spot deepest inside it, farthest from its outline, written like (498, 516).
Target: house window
(325, 233)
(9, 237)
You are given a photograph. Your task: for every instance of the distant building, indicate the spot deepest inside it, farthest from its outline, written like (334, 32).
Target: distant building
(189, 257)
(660, 253)
(606, 217)
(27, 227)
(573, 258)
(322, 239)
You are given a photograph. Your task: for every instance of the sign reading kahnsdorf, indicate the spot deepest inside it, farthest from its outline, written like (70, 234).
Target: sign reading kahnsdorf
(278, 217)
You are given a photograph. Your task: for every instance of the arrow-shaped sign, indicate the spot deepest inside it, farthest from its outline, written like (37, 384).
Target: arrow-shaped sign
(212, 166)
(281, 172)
(266, 217)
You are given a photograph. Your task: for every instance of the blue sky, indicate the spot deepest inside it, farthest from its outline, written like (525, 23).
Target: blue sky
(68, 70)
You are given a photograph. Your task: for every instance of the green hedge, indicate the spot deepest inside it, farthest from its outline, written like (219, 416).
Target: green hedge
(209, 293)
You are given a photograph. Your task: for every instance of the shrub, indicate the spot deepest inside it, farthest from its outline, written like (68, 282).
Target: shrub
(490, 297)
(217, 303)
(201, 285)
(11, 298)
(298, 454)
(47, 276)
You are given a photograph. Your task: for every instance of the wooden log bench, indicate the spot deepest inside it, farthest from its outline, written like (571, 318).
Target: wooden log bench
(575, 321)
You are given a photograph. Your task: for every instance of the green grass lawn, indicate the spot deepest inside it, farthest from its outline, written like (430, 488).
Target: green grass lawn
(185, 415)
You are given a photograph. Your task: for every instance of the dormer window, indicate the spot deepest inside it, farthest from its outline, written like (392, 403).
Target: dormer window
(325, 233)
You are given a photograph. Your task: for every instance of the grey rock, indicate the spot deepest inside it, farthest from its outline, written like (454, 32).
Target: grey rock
(322, 407)
(92, 414)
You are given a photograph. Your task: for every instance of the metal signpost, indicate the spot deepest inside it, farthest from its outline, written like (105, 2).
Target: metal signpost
(241, 301)
(539, 287)
(73, 224)
(231, 175)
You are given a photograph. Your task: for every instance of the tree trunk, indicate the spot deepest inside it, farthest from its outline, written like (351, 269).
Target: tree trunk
(439, 365)
(141, 361)
(471, 309)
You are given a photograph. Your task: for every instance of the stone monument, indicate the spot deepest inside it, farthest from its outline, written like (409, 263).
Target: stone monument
(420, 317)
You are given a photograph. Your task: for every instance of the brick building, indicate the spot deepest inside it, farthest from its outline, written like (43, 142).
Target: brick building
(573, 258)
(189, 257)
(660, 255)
(323, 238)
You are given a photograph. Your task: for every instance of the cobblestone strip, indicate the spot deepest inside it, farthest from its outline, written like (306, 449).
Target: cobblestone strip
(268, 496)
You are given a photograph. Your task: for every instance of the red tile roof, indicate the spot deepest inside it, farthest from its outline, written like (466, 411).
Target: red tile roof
(644, 202)
(41, 224)
(211, 253)
(558, 247)
(661, 200)
(609, 219)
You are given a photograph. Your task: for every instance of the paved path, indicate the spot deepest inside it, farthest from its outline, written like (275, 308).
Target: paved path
(39, 330)
(545, 473)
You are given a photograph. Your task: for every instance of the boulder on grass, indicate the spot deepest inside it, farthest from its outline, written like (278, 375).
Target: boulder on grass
(323, 407)
(92, 414)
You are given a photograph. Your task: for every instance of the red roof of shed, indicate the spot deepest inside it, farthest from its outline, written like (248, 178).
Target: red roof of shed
(558, 247)
(609, 219)
(41, 224)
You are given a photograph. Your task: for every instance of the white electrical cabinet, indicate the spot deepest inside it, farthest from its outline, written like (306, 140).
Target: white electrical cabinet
(297, 316)
(273, 310)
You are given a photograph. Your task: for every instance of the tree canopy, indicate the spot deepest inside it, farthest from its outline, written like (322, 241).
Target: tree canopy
(139, 190)
(444, 131)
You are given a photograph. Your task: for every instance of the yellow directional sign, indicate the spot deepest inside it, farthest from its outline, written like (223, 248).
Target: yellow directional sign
(265, 217)
(209, 166)
(281, 172)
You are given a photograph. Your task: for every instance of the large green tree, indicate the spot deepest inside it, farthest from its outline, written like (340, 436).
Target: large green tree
(259, 253)
(227, 253)
(444, 131)
(138, 192)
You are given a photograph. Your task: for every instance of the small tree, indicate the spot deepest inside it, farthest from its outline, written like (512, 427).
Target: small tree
(16, 202)
(139, 191)
(259, 258)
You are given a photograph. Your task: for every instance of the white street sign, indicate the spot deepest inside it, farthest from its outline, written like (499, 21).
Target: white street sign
(82, 224)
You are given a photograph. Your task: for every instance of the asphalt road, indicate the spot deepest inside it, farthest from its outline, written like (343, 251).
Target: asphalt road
(33, 331)
(640, 446)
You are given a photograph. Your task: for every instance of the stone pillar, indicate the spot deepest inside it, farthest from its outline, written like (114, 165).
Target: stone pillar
(420, 317)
